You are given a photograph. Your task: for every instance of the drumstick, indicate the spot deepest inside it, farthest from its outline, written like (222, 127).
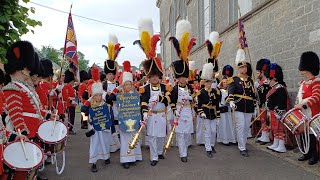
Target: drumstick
(54, 124)
(23, 147)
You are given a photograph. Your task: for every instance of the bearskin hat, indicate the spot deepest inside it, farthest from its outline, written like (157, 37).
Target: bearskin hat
(2, 77)
(262, 64)
(110, 66)
(309, 61)
(20, 55)
(37, 68)
(83, 76)
(274, 71)
(47, 68)
(68, 76)
(181, 69)
(227, 71)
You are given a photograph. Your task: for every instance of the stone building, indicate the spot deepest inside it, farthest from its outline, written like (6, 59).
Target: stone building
(279, 30)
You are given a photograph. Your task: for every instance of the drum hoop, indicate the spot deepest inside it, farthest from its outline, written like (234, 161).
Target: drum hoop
(56, 142)
(24, 169)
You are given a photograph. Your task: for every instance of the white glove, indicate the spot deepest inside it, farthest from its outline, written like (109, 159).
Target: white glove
(232, 105)
(145, 116)
(74, 103)
(256, 84)
(203, 115)
(59, 87)
(51, 93)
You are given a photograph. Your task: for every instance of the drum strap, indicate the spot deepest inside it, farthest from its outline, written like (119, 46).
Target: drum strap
(31, 115)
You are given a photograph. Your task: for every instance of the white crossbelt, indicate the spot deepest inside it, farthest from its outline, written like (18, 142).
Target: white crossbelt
(31, 115)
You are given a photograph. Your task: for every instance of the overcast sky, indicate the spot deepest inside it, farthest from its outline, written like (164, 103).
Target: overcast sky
(91, 35)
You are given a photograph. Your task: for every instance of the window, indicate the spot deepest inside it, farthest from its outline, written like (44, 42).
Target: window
(237, 7)
(206, 14)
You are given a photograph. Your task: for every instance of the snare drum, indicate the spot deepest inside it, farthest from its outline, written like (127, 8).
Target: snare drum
(295, 121)
(53, 135)
(315, 126)
(14, 158)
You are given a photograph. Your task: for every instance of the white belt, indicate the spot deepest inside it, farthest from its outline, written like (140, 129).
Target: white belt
(31, 115)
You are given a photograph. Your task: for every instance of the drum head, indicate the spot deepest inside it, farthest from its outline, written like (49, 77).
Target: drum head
(50, 134)
(14, 157)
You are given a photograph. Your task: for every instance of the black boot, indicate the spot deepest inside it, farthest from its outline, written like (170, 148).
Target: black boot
(209, 154)
(213, 150)
(303, 158)
(126, 165)
(94, 168)
(313, 150)
(153, 163)
(161, 156)
(244, 153)
(184, 159)
(107, 161)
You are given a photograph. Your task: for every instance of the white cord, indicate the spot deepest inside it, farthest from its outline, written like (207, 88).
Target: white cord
(63, 162)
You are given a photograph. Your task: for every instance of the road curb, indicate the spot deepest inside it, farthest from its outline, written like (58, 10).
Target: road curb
(289, 156)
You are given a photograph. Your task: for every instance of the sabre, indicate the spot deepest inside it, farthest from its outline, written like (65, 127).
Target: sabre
(170, 137)
(22, 144)
(258, 117)
(135, 137)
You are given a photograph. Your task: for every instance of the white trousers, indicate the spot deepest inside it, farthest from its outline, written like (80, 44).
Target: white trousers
(210, 133)
(135, 154)
(242, 121)
(183, 141)
(156, 147)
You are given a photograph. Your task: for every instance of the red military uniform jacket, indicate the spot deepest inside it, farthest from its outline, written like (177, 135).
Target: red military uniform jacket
(309, 95)
(68, 94)
(2, 102)
(81, 90)
(42, 96)
(24, 108)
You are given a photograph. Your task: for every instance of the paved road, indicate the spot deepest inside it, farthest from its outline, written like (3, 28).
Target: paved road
(226, 164)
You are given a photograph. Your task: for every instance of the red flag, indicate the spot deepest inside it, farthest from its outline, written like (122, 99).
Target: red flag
(70, 47)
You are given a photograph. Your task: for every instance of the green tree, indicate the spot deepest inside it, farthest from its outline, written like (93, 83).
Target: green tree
(51, 53)
(83, 63)
(14, 22)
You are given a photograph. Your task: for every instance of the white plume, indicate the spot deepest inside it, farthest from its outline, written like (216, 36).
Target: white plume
(207, 71)
(182, 27)
(145, 25)
(113, 38)
(192, 65)
(214, 37)
(96, 88)
(240, 57)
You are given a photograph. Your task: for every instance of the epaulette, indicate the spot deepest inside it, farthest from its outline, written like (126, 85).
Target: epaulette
(230, 80)
(141, 89)
(169, 87)
(11, 87)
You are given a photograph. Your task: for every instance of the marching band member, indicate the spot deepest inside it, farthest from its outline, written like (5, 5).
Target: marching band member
(208, 108)
(277, 103)
(58, 79)
(69, 98)
(241, 99)
(22, 102)
(84, 77)
(262, 88)
(153, 95)
(125, 137)
(200, 121)
(110, 85)
(308, 98)
(99, 140)
(226, 130)
(182, 94)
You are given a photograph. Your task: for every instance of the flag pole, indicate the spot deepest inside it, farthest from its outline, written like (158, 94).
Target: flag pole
(253, 73)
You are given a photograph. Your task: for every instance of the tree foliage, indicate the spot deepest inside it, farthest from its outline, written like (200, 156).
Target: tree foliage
(14, 22)
(55, 55)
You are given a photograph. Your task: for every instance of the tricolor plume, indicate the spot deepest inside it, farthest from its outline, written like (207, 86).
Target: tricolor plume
(213, 44)
(148, 41)
(113, 47)
(182, 42)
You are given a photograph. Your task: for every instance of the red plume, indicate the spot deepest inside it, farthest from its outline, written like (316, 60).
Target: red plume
(126, 66)
(155, 38)
(191, 44)
(95, 74)
(117, 49)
